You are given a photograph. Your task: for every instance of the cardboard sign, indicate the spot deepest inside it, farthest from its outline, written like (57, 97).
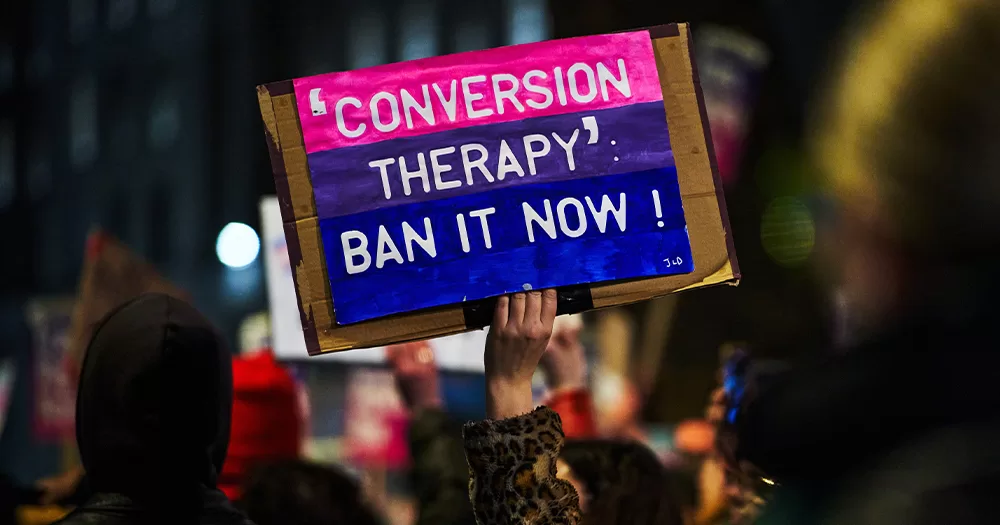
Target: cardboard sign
(112, 275)
(581, 164)
(468, 176)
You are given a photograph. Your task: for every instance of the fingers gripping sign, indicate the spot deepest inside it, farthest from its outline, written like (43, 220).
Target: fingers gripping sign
(522, 326)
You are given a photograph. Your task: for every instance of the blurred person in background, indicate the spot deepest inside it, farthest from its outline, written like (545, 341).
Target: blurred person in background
(302, 493)
(564, 365)
(68, 488)
(691, 464)
(903, 427)
(621, 482)
(439, 474)
(152, 417)
(267, 423)
(513, 455)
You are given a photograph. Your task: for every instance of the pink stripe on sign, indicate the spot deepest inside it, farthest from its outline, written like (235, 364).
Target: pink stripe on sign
(479, 87)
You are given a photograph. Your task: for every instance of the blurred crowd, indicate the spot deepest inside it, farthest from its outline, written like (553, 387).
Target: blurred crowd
(899, 427)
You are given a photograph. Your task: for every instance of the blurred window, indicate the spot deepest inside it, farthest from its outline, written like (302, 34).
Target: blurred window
(6, 67)
(472, 33)
(121, 13)
(158, 221)
(367, 38)
(8, 182)
(160, 8)
(116, 211)
(39, 65)
(83, 129)
(528, 21)
(125, 138)
(419, 29)
(39, 164)
(164, 122)
(82, 19)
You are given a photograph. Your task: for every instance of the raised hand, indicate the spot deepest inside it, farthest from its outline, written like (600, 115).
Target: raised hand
(564, 361)
(522, 325)
(416, 374)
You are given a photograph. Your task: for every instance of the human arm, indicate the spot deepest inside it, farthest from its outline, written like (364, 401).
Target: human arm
(512, 455)
(564, 365)
(440, 475)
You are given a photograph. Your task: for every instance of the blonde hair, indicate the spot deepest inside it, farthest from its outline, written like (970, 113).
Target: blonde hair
(909, 135)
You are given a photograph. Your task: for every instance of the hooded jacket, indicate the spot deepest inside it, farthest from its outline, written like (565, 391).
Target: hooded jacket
(152, 417)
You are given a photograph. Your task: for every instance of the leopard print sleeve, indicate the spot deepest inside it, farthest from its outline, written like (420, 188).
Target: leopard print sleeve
(512, 470)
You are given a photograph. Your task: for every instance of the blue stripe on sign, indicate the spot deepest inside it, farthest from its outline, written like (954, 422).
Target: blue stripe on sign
(406, 277)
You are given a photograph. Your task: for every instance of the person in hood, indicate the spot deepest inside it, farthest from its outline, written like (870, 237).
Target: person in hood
(902, 427)
(152, 418)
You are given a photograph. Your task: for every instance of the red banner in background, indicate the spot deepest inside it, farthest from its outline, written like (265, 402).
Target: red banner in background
(376, 421)
(54, 399)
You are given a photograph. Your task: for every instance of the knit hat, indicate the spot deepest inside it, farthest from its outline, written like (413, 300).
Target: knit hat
(267, 422)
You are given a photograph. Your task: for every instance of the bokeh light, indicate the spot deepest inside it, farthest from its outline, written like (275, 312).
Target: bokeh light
(238, 245)
(788, 231)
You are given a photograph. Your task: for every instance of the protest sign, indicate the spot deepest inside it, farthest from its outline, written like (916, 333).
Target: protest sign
(7, 375)
(375, 425)
(731, 65)
(112, 275)
(54, 388)
(412, 193)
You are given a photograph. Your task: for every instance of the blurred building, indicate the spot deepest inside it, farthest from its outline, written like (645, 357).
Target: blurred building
(140, 116)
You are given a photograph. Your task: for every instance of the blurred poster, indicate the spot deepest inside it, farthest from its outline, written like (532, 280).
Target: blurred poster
(54, 384)
(112, 275)
(376, 420)
(7, 375)
(730, 66)
(462, 352)
(255, 333)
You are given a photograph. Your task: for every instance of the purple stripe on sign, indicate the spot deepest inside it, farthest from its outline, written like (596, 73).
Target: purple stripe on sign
(483, 158)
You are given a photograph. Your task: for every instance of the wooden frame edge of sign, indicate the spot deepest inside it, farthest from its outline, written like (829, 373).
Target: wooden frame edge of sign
(702, 196)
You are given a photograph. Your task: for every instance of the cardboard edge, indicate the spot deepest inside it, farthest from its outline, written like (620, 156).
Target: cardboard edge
(657, 31)
(720, 192)
(280, 176)
(279, 88)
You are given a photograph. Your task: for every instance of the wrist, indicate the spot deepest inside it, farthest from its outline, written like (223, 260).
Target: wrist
(508, 398)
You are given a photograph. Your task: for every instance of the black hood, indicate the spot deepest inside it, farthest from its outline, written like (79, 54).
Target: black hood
(153, 407)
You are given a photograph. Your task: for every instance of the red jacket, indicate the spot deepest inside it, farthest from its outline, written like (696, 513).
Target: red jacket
(576, 409)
